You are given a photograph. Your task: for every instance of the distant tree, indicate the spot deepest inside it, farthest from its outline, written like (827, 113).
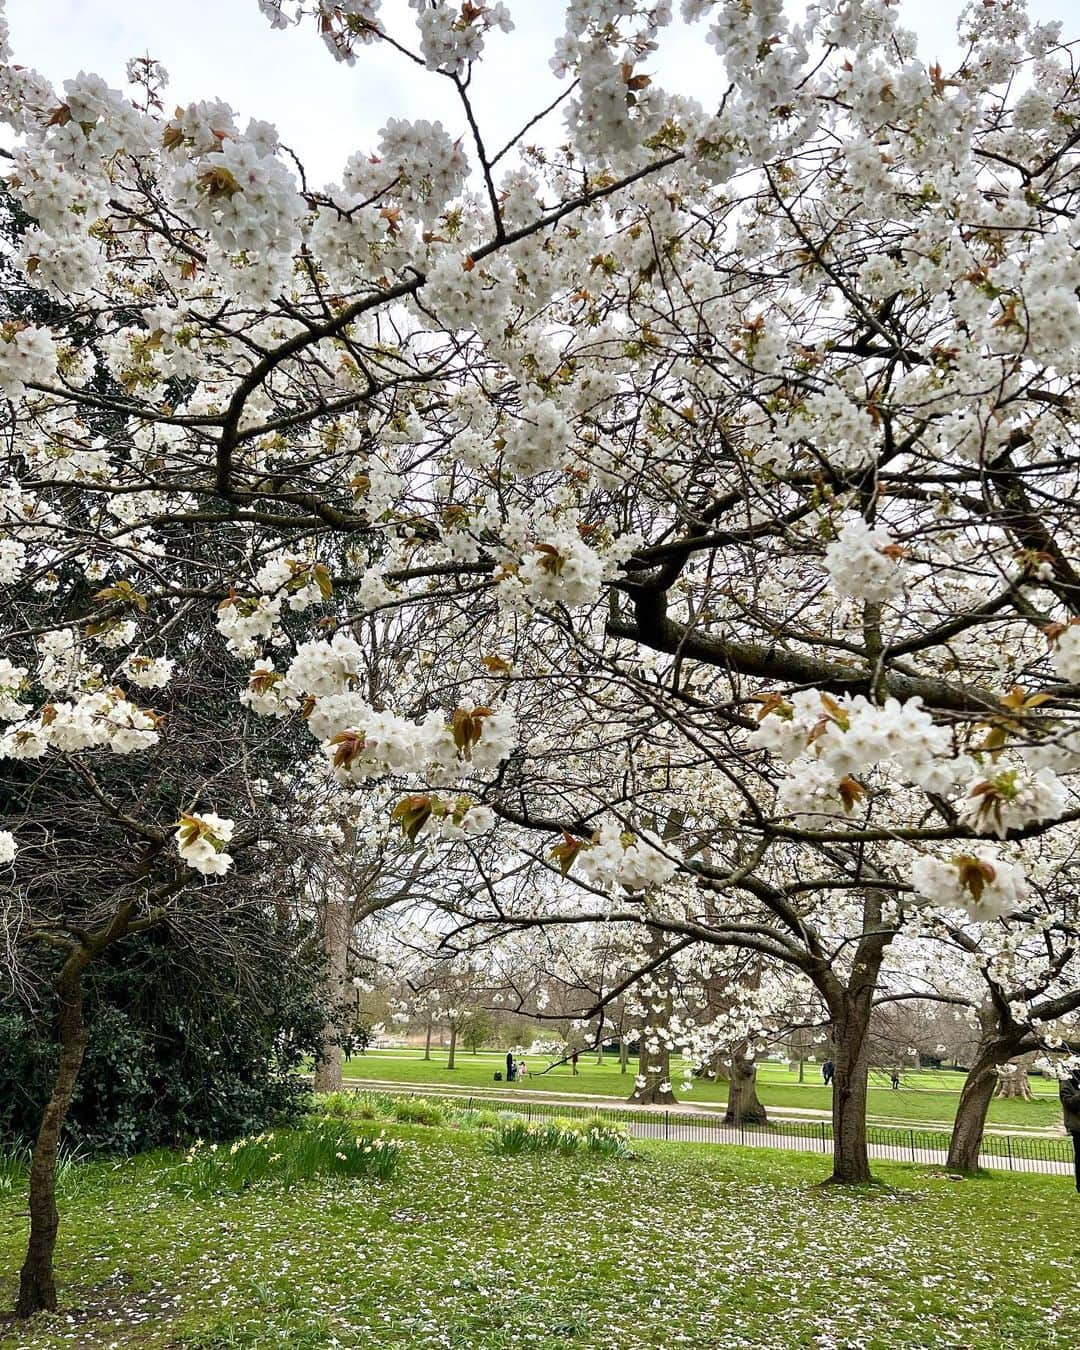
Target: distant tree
(477, 1029)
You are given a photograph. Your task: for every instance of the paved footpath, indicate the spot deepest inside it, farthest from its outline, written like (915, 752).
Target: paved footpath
(899, 1152)
(698, 1124)
(540, 1095)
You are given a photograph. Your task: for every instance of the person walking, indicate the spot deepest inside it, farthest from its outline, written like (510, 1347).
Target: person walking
(509, 1066)
(521, 1070)
(828, 1070)
(894, 1079)
(573, 1063)
(1069, 1092)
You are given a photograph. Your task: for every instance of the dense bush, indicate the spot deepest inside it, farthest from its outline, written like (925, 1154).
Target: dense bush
(181, 1043)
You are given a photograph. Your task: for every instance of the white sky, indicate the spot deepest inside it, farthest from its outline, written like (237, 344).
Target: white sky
(325, 110)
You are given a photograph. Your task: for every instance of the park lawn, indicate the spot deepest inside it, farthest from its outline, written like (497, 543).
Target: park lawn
(678, 1245)
(919, 1099)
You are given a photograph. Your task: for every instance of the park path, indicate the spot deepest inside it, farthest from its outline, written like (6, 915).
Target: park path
(698, 1125)
(929, 1157)
(540, 1096)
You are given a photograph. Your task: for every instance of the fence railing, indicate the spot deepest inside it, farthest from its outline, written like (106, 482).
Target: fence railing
(1015, 1153)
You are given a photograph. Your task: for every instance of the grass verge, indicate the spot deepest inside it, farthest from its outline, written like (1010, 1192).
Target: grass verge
(672, 1246)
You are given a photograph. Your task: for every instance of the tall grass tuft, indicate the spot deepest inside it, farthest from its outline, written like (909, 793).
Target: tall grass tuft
(417, 1111)
(286, 1159)
(13, 1171)
(518, 1136)
(73, 1174)
(348, 1106)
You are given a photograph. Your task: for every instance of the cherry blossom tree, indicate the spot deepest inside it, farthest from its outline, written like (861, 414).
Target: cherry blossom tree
(1023, 1002)
(712, 459)
(99, 851)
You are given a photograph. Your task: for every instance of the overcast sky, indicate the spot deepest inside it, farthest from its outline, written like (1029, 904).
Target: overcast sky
(325, 110)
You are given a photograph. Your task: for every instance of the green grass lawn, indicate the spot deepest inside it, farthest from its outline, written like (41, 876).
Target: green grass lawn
(929, 1095)
(677, 1246)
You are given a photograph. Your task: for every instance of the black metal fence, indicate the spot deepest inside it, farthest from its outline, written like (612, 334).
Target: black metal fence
(1015, 1153)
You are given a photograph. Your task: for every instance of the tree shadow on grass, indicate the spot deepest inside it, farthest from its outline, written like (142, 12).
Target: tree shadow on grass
(97, 1311)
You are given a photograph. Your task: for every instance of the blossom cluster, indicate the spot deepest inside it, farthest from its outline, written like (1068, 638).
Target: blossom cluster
(376, 743)
(425, 167)
(428, 815)
(1010, 799)
(1066, 652)
(27, 356)
(617, 857)
(102, 719)
(361, 742)
(830, 740)
(238, 190)
(862, 562)
(201, 842)
(562, 570)
(982, 883)
(451, 38)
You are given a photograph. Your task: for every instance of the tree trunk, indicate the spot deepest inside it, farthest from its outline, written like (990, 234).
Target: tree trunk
(336, 930)
(743, 1106)
(656, 1090)
(802, 1069)
(1015, 1085)
(850, 1007)
(600, 1054)
(427, 1038)
(970, 1122)
(453, 1046)
(37, 1283)
(624, 1055)
(653, 1083)
(851, 1160)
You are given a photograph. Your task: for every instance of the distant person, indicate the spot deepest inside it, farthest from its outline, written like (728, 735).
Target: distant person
(521, 1069)
(509, 1066)
(573, 1063)
(828, 1071)
(894, 1079)
(1069, 1092)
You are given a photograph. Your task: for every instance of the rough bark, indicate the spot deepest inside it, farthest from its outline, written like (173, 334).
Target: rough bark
(654, 1054)
(336, 930)
(654, 1067)
(1015, 1086)
(743, 1105)
(970, 1122)
(851, 1160)
(850, 1006)
(453, 1046)
(997, 1045)
(654, 1093)
(37, 1281)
